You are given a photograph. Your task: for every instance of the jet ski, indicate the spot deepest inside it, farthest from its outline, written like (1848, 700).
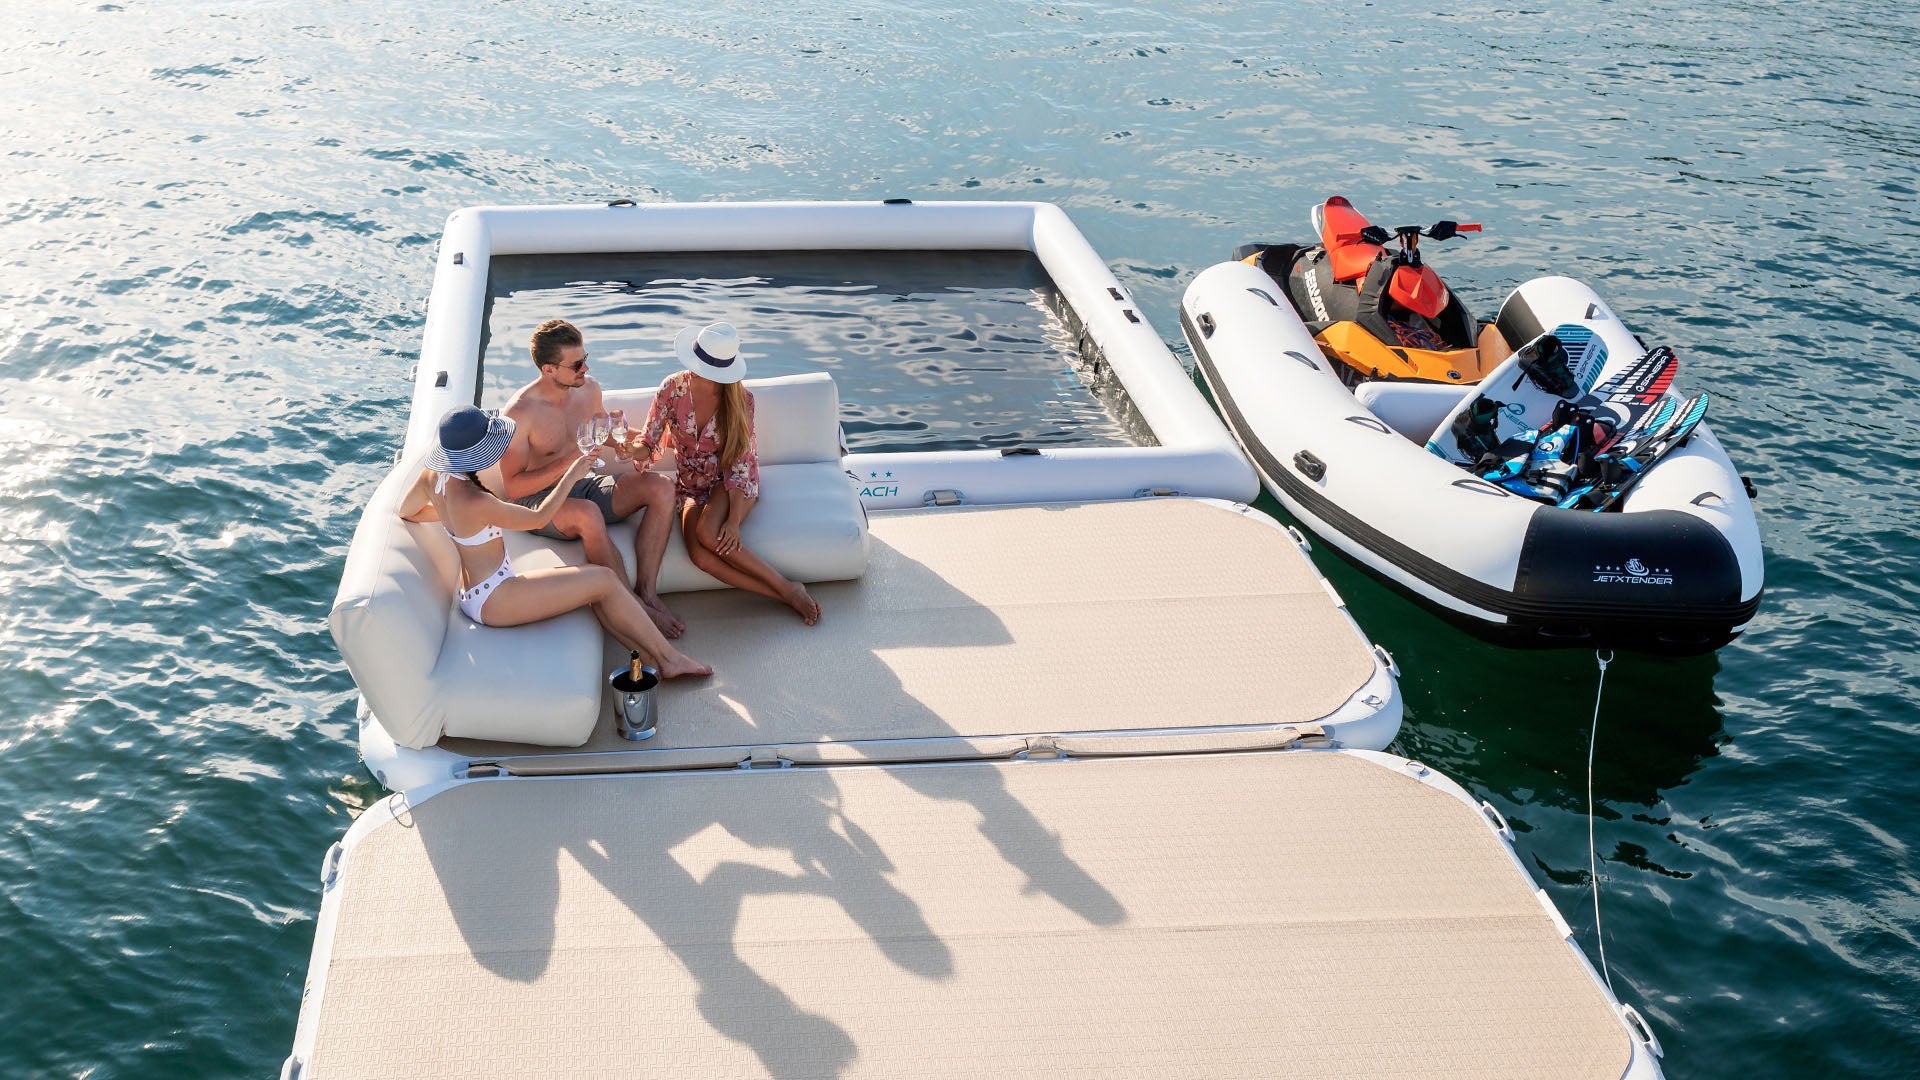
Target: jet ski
(1374, 305)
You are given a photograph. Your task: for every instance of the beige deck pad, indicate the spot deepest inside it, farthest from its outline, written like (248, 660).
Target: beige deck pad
(1155, 613)
(1299, 913)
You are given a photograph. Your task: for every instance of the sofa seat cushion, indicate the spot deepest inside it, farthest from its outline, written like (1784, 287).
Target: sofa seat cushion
(538, 683)
(808, 525)
(426, 670)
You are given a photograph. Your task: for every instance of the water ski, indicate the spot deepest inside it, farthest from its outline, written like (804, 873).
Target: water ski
(1643, 383)
(1626, 397)
(1633, 454)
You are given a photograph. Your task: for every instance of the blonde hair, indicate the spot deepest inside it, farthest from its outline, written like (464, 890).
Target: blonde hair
(732, 424)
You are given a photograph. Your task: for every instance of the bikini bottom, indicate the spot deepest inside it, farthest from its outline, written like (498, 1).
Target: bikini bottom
(474, 599)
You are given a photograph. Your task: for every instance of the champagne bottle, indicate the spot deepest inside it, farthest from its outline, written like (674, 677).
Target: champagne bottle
(633, 668)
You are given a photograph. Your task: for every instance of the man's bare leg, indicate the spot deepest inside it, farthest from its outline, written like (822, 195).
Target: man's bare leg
(582, 520)
(651, 495)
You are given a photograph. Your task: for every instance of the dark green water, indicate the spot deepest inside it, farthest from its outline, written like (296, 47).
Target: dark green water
(216, 238)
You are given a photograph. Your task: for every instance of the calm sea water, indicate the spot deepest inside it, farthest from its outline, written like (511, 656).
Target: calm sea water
(955, 352)
(216, 238)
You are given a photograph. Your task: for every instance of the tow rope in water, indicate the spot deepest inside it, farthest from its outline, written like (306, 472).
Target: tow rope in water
(1593, 863)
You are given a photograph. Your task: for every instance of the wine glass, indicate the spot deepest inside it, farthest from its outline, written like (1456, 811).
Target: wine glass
(586, 436)
(602, 427)
(618, 431)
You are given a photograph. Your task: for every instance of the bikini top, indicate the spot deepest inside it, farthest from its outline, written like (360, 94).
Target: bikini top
(485, 536)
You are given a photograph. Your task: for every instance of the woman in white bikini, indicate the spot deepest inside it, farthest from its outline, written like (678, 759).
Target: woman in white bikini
(708, 415)
(457, 489)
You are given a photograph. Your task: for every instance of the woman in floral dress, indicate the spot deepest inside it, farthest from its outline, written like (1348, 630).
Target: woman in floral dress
(708, 415)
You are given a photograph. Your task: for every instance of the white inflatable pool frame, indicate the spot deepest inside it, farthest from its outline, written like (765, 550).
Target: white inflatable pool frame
(1195, 456)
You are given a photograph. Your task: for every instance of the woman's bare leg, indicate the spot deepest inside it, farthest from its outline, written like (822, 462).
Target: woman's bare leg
(541, 594)
(791, 593)
(704, 558)
(741, 567)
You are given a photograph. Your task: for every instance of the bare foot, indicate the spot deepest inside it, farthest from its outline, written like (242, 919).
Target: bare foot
(680, 664)
(799, 600)
(668, 623)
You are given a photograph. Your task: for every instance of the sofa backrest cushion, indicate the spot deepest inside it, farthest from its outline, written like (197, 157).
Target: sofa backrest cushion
(389, 617)
(796, 417)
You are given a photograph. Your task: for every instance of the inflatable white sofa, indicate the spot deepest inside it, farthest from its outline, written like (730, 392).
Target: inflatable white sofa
(427, 671)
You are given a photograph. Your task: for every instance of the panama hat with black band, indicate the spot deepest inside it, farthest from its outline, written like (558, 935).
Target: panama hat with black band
(711, 352)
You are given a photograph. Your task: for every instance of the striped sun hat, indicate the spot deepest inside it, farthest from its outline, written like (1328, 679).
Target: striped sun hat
(470, 440)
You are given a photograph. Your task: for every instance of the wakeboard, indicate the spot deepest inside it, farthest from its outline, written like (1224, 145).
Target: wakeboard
(1523, 405)
(1572, 441)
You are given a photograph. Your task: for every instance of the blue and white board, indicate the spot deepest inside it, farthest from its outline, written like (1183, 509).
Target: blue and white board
(1524, 406)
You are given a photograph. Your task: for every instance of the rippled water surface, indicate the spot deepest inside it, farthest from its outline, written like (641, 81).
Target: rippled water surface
(216, 238)
(930, 351)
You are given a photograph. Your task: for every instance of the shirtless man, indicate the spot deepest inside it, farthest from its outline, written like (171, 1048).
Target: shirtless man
(545, 412)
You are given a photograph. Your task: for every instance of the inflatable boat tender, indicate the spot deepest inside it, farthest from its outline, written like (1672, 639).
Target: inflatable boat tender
(1568, 497)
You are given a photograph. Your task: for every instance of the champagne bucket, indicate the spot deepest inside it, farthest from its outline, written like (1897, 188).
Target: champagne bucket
(634, 710)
